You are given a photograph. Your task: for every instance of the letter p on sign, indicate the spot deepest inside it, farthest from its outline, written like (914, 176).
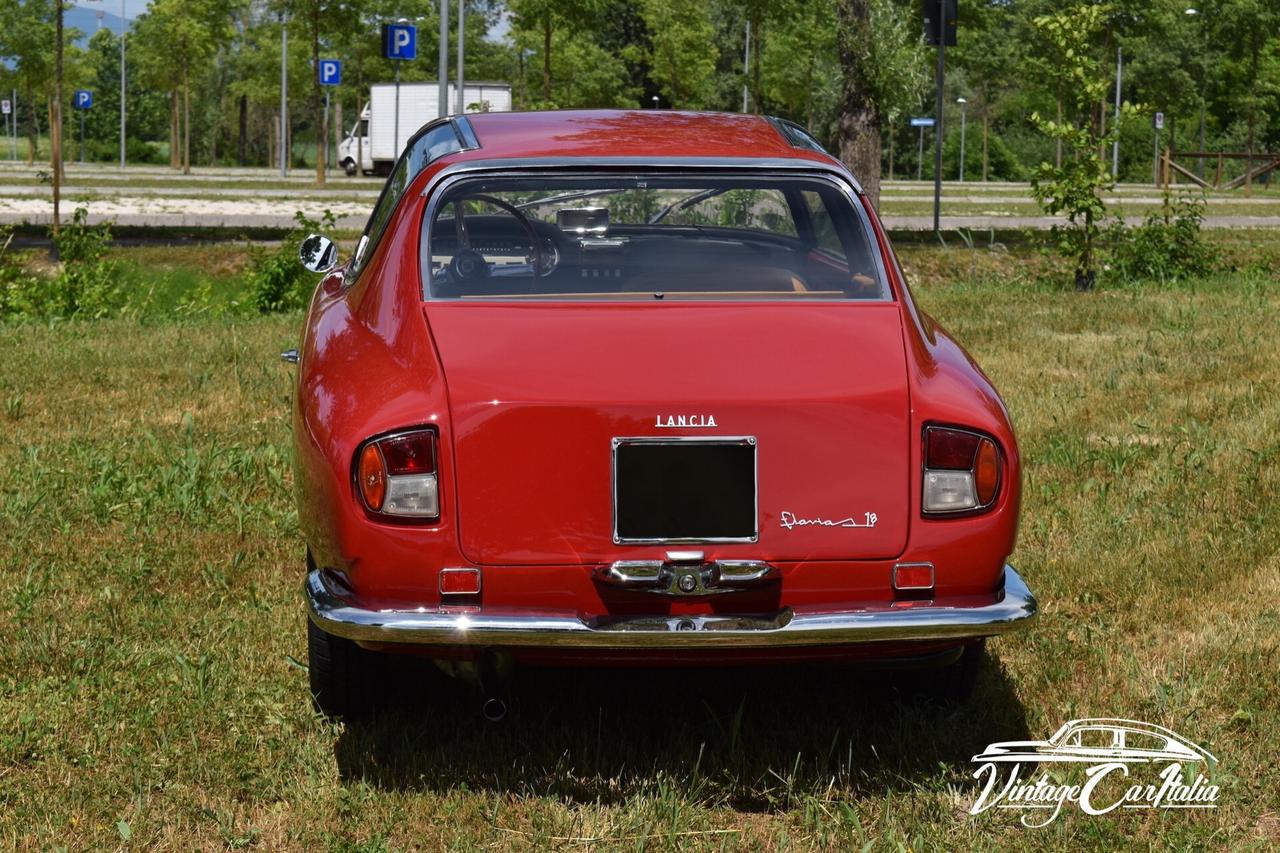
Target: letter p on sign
(399, 41)
(330, 72)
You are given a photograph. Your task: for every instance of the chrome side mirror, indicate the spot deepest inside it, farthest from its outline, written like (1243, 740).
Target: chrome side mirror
(318, 254)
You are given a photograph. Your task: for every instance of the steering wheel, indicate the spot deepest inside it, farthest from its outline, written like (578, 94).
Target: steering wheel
(469, 265)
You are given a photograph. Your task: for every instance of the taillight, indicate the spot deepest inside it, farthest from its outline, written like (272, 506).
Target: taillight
(396, 475)
(961, 471)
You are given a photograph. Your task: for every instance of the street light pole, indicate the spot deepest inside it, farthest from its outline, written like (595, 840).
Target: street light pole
(462, 36)
(284, 98)
(124, 26)
(963, 107)
(1115, 145)
(443, 66)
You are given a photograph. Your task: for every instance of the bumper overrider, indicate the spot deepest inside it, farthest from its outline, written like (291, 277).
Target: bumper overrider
(968, 617)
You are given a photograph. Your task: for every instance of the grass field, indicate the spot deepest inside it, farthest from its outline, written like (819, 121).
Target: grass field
(153, 690)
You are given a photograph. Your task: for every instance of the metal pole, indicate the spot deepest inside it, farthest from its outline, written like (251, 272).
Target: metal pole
(920, 157)
(746, 66)
(1155, 158)
(1115, 145)
(13, 142)
(284, 98)
(124, 26)
(937, 125)
(82, 137)
(462, 39)
(443, 71)
(395, 138)
(328, 161)
(963, 110)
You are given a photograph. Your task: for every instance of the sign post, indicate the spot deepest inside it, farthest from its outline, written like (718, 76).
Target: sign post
(921, 123)
(6, 107)
(939, 30)
(399, 41)
(83, 101)
(1159, 121)
(330, 74)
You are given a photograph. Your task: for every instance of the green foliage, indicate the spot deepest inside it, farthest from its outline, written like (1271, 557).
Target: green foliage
(1074, 187)
(86, 285)
(1167, 246)
(277, 279)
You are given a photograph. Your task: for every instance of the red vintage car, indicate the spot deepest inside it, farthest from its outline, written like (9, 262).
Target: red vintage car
(630, 388)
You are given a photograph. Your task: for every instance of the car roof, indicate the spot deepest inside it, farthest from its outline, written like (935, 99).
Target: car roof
(634, 133)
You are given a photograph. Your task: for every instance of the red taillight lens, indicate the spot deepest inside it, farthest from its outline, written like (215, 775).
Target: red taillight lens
(961, 471)
(373, 477)
(414, 453)
(396, 475)
(950, 449)
(986, 472)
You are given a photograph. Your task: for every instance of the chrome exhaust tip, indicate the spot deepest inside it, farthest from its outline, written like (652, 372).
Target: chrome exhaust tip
(494, 710)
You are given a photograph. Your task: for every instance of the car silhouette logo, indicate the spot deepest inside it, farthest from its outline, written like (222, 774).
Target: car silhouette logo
(1101, 739)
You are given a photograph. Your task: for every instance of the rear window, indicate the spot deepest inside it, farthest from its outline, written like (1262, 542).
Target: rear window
(649, 237)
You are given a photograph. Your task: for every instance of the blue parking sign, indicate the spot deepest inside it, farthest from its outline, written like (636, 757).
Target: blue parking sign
(83, 99)
(399, 41)
(330, 72)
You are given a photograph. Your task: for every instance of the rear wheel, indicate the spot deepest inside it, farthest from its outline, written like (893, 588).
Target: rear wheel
(343, 675)
(955, 681)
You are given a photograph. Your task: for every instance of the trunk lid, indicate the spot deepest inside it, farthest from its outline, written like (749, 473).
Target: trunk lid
(538, 392)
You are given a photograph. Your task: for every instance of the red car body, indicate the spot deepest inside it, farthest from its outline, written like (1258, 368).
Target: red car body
(525, 398)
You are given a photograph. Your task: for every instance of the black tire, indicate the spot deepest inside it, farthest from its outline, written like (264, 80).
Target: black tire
(349, 166)
(343, 675)
(954, 682)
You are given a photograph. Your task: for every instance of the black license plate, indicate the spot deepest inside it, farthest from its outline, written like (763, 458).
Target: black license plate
(684, 490)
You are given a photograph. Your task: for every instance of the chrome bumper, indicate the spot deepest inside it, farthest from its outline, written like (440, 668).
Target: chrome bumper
(973, 616)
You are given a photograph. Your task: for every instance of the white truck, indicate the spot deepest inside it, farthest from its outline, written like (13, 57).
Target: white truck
(377, 139)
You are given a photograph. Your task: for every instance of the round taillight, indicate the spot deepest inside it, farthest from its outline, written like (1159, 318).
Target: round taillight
(986, 472)
(372, 475)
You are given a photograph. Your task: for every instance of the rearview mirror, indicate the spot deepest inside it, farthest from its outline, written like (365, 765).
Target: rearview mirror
(318, 254)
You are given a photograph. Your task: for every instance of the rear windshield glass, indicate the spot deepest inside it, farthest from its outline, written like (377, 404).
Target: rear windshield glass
(647, 237)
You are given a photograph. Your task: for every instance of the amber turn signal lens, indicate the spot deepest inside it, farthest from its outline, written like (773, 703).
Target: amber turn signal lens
(986, 472)
(373, 477)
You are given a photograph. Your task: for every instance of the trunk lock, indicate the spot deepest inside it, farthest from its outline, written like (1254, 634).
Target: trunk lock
(687, 573)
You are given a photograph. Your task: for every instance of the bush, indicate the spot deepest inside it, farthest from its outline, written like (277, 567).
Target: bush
(277, 278)
(86, 285)
(1167, 246)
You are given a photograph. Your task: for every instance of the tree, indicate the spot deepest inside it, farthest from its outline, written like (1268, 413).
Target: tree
(988, 56)
(1074, 186)
(681, 64)
(881, 64)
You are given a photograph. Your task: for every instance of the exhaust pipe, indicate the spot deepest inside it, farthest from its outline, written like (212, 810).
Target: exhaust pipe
(494, 710)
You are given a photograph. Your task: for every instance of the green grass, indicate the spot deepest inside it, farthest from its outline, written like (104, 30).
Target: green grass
(151, 627)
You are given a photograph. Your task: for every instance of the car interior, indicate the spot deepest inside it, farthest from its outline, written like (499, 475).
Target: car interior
(647, 238)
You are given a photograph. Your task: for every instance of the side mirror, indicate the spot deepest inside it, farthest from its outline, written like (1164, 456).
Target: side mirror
(318, 254)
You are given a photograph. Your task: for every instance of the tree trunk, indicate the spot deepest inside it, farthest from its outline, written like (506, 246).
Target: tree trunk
(186, 121)
(55, 121)
(1057, 156)
(337, 126)
(175, 146)
(33, 132)
(858, 126)
(986, 124)
(546, 61)
(360, 137)
(242, 138)
(317, 99)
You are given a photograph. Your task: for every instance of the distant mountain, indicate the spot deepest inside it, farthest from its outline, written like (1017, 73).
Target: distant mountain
(85, 19)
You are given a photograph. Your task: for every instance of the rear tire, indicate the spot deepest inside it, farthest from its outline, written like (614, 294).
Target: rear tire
(343, 675)
(954, 683)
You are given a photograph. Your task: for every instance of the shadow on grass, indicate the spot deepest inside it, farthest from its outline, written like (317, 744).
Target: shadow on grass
(754, 738)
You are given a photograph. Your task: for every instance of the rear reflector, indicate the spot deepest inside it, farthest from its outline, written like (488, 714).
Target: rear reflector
(913, 576)
(459, 581)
